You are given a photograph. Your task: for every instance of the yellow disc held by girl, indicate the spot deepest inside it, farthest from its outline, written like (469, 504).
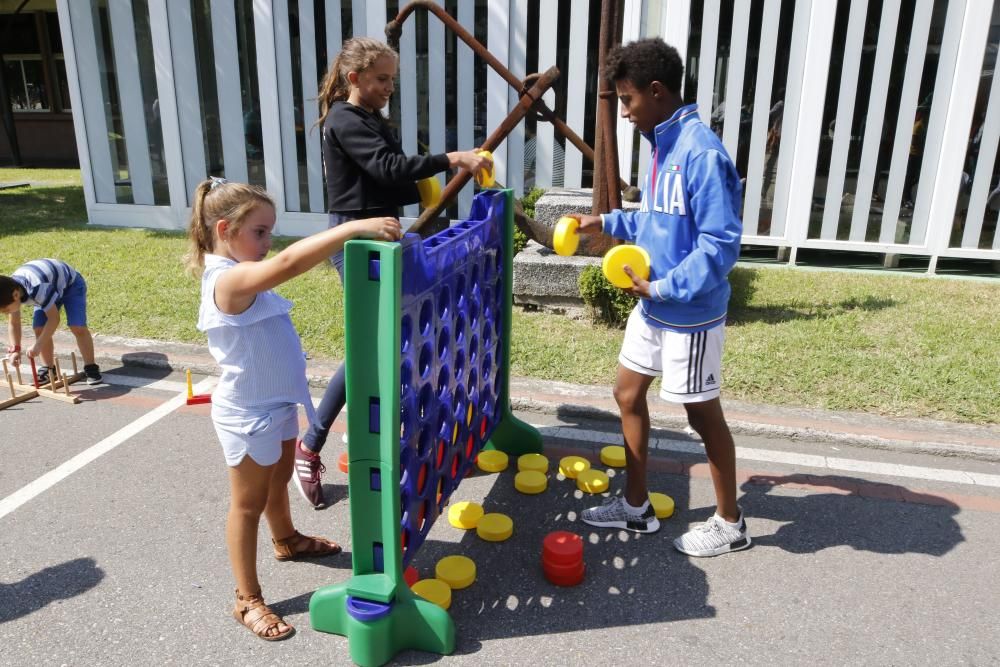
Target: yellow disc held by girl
(433, 590)
(456, 571)
(492, 460)
(530, 482)
(613, 456)
(571, 466)
(430, 191)
(495, 527)
(592, 481)
(537, 462)
(566, 237)
(663, 505)
(486, 178)
(617, 258)
(465, 515)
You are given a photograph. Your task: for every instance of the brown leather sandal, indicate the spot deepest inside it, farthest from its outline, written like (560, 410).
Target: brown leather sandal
(299, 546)
(251, 611)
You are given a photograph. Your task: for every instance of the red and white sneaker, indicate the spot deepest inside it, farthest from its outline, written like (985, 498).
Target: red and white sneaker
(308, 476)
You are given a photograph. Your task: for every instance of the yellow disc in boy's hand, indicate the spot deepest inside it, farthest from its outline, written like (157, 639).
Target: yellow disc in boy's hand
(486, 178)
(566, 237)
(633, 256)
(430, 191)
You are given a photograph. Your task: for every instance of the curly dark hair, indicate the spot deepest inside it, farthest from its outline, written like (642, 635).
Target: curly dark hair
(645, 61)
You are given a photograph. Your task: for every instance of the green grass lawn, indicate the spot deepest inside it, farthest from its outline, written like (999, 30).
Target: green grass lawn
(886, 344)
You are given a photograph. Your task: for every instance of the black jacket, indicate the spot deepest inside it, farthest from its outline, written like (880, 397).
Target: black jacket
(366, 169)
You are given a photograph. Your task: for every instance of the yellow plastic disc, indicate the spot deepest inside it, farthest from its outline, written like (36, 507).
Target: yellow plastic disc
(486, 178)
(430, 191)
(492, 460)
(613, 456)
(592, 481)
(663, 505)
(530, 481)
(456, 571)
(465, 515)
(537, 462)
(571, 466)
(495, 527)
(566, 237)
(433, 590)
(633, 256)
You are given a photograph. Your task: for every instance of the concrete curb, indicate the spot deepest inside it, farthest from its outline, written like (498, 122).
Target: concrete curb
(596, 403)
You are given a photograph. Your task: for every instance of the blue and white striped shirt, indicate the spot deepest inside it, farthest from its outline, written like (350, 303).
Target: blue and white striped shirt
(44, 281)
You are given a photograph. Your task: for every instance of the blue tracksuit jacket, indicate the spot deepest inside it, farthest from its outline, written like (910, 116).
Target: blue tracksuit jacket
(688, 222)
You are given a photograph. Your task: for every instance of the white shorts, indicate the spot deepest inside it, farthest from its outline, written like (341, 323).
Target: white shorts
(690, 363)
(257, 433)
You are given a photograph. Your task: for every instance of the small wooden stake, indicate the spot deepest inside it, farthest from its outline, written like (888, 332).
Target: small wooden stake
(72, 356)
(10, 382)
(62, 378)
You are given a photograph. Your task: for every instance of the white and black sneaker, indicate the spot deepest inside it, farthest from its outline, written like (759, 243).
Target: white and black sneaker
(612, 513)
(714, 537)
(93, 373)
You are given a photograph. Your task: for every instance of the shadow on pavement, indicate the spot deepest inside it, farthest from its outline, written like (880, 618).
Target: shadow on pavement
(629, 577)
(58, 582)
(149, 371)
(924, 525)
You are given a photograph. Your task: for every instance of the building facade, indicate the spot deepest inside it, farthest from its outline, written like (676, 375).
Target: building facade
(35, 86)
(857, 124)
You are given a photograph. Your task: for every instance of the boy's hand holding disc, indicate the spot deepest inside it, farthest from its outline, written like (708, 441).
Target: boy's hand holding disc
(627, 267)
(566, 237)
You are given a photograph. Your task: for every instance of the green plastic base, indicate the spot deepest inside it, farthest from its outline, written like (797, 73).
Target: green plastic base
(413, 623)
(514, 438)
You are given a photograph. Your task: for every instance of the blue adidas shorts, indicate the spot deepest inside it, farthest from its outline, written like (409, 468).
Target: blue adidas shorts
(73, 301)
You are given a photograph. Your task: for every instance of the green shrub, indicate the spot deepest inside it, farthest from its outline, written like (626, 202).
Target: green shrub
(607, 303)
(528, 201)
(528, 206)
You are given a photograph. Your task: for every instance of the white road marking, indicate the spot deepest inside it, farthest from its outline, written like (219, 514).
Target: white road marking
(145, 383)
(667, 444)
(53, 477)
(827, 463)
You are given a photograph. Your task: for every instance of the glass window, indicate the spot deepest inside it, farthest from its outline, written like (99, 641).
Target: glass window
(25, 81)
(62, 82)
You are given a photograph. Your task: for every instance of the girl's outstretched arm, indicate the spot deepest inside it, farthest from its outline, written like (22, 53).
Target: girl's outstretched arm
(236, 289)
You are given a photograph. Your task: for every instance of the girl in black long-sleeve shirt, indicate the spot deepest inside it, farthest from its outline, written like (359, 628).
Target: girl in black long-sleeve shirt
(367, 175)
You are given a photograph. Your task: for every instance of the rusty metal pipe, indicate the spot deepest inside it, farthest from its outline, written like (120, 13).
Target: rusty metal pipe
(394, 29)
(524, 106)
(605, 197)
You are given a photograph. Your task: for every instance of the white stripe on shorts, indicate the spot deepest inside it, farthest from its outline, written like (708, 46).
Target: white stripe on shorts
(689, 363)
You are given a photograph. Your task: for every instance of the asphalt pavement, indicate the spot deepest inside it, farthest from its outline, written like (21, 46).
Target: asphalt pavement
(874, 539)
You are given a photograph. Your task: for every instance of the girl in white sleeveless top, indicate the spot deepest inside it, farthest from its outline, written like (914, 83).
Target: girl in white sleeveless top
(255, 406)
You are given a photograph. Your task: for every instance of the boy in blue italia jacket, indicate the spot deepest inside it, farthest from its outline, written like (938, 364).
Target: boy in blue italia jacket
(689, 224)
